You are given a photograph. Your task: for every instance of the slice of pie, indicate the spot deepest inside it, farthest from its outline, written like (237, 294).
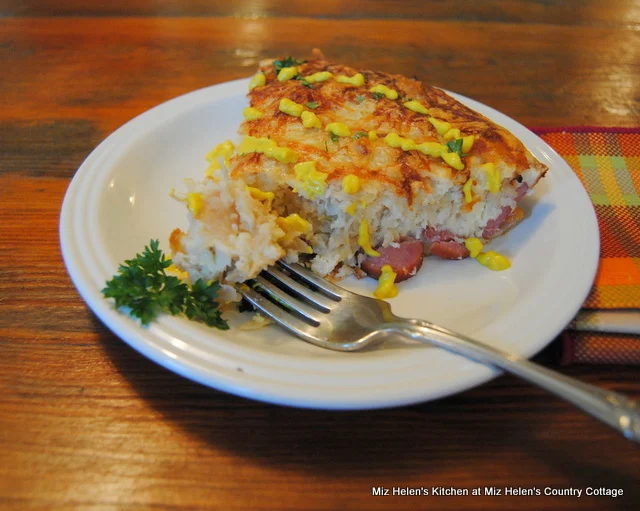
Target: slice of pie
(362, 170)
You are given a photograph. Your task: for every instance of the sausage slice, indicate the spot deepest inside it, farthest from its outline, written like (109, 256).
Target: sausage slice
(406, 259)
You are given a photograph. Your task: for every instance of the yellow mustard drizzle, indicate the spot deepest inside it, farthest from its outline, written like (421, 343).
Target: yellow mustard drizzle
(441, 126)
(259, 195)
(395, 140)
(474, 246)
(433, 149)
(452, 134)
(386, 283)
(282, 154)
(287, 73)
(310, 120)
(357, 79)
(258, 80)
(251, 114)
(364, 240)
(267, 147)
(225, 149)
(493, 261)
(351, 184)
(452, 159)
(339, 129)
(466, 189)
(351, 208)
(320, 76)
(294, 222)
(467, 143)
(251, 144)
(290, 107)
(383, 89)
(195, 203)
(416, 106)
(492, 176)
(313, 181)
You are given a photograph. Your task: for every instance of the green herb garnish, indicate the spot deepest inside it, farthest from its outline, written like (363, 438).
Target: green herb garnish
(326, 147)
(334, 137)
(455, 146)
(143, 286)
(312, 104)
(304, 82)
(201, 305)
(358, 135)
(360, 98)
(287, 62)
(378, 95)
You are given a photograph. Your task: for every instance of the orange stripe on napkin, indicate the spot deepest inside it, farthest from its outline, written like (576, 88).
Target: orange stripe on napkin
(607, 162)
(618, 272)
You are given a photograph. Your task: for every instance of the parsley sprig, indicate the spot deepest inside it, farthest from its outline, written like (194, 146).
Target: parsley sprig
(143, 286)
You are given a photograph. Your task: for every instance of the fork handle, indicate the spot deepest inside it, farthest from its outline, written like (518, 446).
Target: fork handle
(612, 408)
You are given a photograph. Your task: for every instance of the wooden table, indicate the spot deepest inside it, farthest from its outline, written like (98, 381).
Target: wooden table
(88, 423)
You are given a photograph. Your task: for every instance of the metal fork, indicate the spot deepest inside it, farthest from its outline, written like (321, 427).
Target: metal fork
(332, 317)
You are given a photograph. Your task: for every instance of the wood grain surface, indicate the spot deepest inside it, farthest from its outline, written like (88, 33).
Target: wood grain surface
(88, 423)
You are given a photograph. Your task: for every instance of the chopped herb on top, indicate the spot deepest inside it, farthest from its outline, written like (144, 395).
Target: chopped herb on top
(378, 95)
(360, 98)
(143, 286)
(312, 104)
(334, 137)
(455, 146)
(287, 62)
(358, 135)
(304, 82)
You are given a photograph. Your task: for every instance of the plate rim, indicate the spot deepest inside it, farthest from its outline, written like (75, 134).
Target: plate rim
(228, 379)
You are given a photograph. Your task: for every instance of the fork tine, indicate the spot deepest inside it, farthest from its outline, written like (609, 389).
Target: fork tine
(300, 307)
(279, 315)
(331, 290)
(318, 299)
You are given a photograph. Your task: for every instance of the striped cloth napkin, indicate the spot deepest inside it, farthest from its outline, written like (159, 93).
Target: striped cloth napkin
(607, 161)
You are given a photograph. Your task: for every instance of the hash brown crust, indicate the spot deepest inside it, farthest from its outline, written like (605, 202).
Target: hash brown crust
(362, 111)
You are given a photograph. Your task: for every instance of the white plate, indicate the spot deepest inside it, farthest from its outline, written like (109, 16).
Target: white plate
(119, 200)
